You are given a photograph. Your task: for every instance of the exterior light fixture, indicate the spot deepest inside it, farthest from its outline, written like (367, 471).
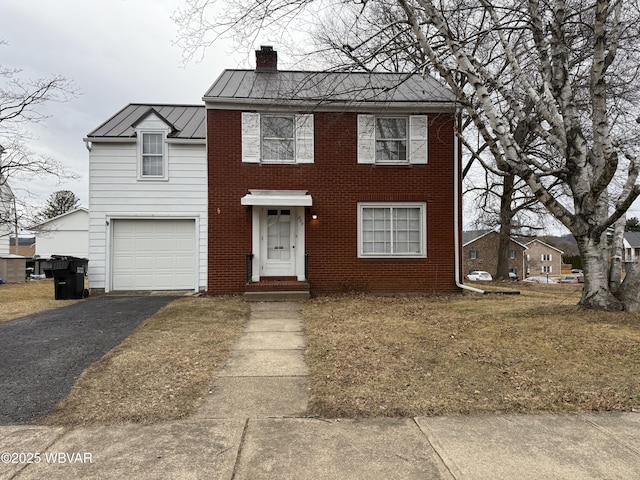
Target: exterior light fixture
(314, 216)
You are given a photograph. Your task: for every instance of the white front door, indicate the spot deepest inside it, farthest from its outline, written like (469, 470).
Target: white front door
(278, 242)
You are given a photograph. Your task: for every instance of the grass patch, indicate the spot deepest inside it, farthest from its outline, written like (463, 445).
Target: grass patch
(381, 356)
(20, 299)
(160, 372)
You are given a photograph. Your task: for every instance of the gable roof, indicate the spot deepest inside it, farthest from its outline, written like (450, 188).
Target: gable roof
(62, 215)
(473, 235)
(633, 238)
(330, 90)
(545, 244)
(185, 121)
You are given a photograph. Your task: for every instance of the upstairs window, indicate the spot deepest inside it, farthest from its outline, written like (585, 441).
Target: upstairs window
(152, 155)
(278, 141)
(392, 140)
(473, 254)
(277, 138)
(546, 257)
(512, 254)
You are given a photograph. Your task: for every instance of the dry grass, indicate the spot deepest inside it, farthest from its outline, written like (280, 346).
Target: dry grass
(20, 299)
(377, 356)
(161, 371)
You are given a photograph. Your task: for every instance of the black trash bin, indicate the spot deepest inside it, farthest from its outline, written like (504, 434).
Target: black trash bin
(68, 277)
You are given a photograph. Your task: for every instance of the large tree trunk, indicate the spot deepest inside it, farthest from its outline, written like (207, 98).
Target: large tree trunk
(506, 216)
(596, 293)
(617, 246)
(629, 291)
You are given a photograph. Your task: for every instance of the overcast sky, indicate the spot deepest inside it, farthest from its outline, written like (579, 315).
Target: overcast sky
(117, 52)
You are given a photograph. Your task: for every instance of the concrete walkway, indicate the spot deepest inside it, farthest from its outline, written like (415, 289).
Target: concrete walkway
(250, 428)
(265, 375)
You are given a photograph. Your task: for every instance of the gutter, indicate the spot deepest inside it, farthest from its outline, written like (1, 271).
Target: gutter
(456, 225)
(457, 214)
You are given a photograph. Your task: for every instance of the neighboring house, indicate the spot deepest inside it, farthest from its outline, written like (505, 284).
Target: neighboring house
(148, 199)
(64, 235)
(336, 181)
(480, 252)
(631, 243)
(543, 259)
(26, 246)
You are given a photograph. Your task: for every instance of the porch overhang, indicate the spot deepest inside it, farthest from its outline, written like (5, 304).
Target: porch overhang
(277, 198)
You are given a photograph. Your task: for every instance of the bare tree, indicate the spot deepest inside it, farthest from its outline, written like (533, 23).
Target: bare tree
(21, 102)
(552, 89)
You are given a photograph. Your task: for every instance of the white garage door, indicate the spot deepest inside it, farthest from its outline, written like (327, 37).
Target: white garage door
(153, 254)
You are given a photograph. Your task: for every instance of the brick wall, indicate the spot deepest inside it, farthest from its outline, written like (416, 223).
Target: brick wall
(535, 264)
(337, 183)
(486, 247)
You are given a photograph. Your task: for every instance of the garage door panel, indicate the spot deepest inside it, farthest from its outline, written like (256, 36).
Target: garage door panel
(153, 254)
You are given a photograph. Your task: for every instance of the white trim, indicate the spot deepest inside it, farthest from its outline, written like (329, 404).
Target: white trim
(418, 142)
(367, 139)
(165, 155)
(251, 141)
(277, 198)
(268, 105)
(303, 138)
(417, 147)
(298, 226)
(423, 228)
(109, 243)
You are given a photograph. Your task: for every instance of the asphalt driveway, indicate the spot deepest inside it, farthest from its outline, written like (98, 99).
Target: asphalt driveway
(42, 355)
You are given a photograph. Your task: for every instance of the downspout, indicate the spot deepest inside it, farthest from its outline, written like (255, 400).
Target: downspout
(457, 213)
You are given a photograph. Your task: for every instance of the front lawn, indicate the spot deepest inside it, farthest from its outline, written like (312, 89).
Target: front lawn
(462, 354)
(20, 299)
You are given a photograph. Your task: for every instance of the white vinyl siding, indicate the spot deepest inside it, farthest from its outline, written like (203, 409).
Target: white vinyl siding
(392, 140)
(115, 193)
(392, 230)
(277, 138)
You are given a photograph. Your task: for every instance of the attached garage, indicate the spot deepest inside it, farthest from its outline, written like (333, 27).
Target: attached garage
(153, 254)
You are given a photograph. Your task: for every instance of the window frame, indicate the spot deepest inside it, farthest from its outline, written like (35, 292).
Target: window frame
(377, 139)
(473, 254)
(546, 257)
(422, 206)
(162, 155)
(547, 269)
(416, 141)
(291, 139)
(303, 139)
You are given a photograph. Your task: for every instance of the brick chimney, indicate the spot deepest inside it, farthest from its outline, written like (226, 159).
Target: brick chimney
(266, 59)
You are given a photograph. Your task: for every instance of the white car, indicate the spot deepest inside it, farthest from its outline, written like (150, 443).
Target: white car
(479, 276)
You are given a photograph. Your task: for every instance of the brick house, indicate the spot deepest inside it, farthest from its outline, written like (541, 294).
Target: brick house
(542, 258)
(480, 252)
(331, 182)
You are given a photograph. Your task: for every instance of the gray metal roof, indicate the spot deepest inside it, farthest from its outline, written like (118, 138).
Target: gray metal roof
(324, 88)
(186, 121)
(633, 238)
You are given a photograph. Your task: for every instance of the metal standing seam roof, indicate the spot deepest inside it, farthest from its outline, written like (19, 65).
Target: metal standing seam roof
(186, 121)
(327, 87)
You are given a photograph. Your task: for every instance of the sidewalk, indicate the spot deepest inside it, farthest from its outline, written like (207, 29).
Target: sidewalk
(250, 427)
